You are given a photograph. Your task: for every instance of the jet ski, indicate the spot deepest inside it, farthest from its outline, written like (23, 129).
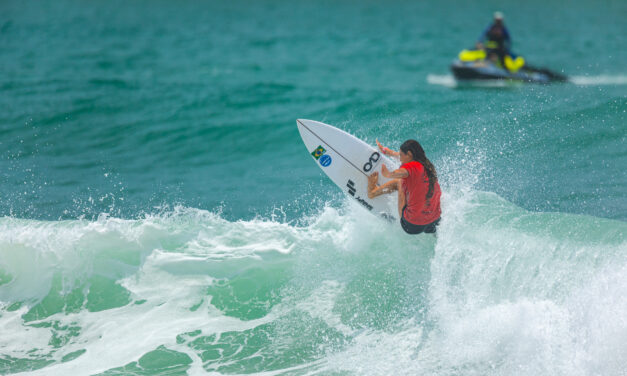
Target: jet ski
(472, 65)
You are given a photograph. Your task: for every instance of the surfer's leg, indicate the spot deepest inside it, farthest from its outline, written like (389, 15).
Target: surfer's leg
(374, 190)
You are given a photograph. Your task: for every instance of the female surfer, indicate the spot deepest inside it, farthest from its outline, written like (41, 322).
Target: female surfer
(417, 184)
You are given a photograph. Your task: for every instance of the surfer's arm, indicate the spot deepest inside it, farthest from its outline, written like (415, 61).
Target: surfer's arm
(400, 173)
(387, 151)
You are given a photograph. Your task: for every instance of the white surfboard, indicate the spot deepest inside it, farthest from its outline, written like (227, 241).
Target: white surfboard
(348, 161)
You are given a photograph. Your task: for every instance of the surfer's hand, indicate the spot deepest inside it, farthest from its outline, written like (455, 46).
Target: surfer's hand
(383, 149)
(384, 171)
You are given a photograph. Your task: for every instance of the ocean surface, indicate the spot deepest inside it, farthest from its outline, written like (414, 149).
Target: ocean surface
(160, 215)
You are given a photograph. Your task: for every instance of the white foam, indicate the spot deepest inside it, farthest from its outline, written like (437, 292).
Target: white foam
(16, 338)
(599, 80)
(599, 319)
(450, 81)
(115, 337)
(377, 352)
(501, 295)
(446, 80)
(321, 302)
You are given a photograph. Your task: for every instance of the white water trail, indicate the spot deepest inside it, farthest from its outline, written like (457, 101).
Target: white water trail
(599, 80)
(449, 81)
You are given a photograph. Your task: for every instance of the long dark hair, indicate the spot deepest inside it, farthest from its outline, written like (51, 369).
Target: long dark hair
(418, 154)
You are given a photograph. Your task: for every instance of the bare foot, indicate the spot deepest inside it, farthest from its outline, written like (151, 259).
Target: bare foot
(372, 184)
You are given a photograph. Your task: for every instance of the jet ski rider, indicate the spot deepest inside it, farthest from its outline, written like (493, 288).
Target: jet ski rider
(495, 40)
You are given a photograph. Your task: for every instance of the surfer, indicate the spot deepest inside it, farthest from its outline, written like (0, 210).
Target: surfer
(417, 184)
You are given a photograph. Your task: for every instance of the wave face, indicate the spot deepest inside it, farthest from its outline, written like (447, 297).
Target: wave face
(500, 290)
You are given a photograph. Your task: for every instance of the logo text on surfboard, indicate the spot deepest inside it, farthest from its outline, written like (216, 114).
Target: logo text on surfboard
(363, 202)
(352, 190)
(374, 158)
(351, 187)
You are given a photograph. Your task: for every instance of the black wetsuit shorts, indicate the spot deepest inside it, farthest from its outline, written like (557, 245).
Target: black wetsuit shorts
(413, 229)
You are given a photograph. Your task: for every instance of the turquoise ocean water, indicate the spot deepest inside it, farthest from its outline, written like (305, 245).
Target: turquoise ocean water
(159, 214)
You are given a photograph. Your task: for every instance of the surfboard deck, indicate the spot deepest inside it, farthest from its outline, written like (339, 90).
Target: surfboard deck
(348, 161)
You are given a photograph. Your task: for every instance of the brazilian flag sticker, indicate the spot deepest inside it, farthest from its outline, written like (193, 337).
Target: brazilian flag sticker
(318, 152)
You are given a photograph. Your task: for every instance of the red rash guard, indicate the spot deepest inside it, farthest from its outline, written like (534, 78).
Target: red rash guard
(418, 210)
